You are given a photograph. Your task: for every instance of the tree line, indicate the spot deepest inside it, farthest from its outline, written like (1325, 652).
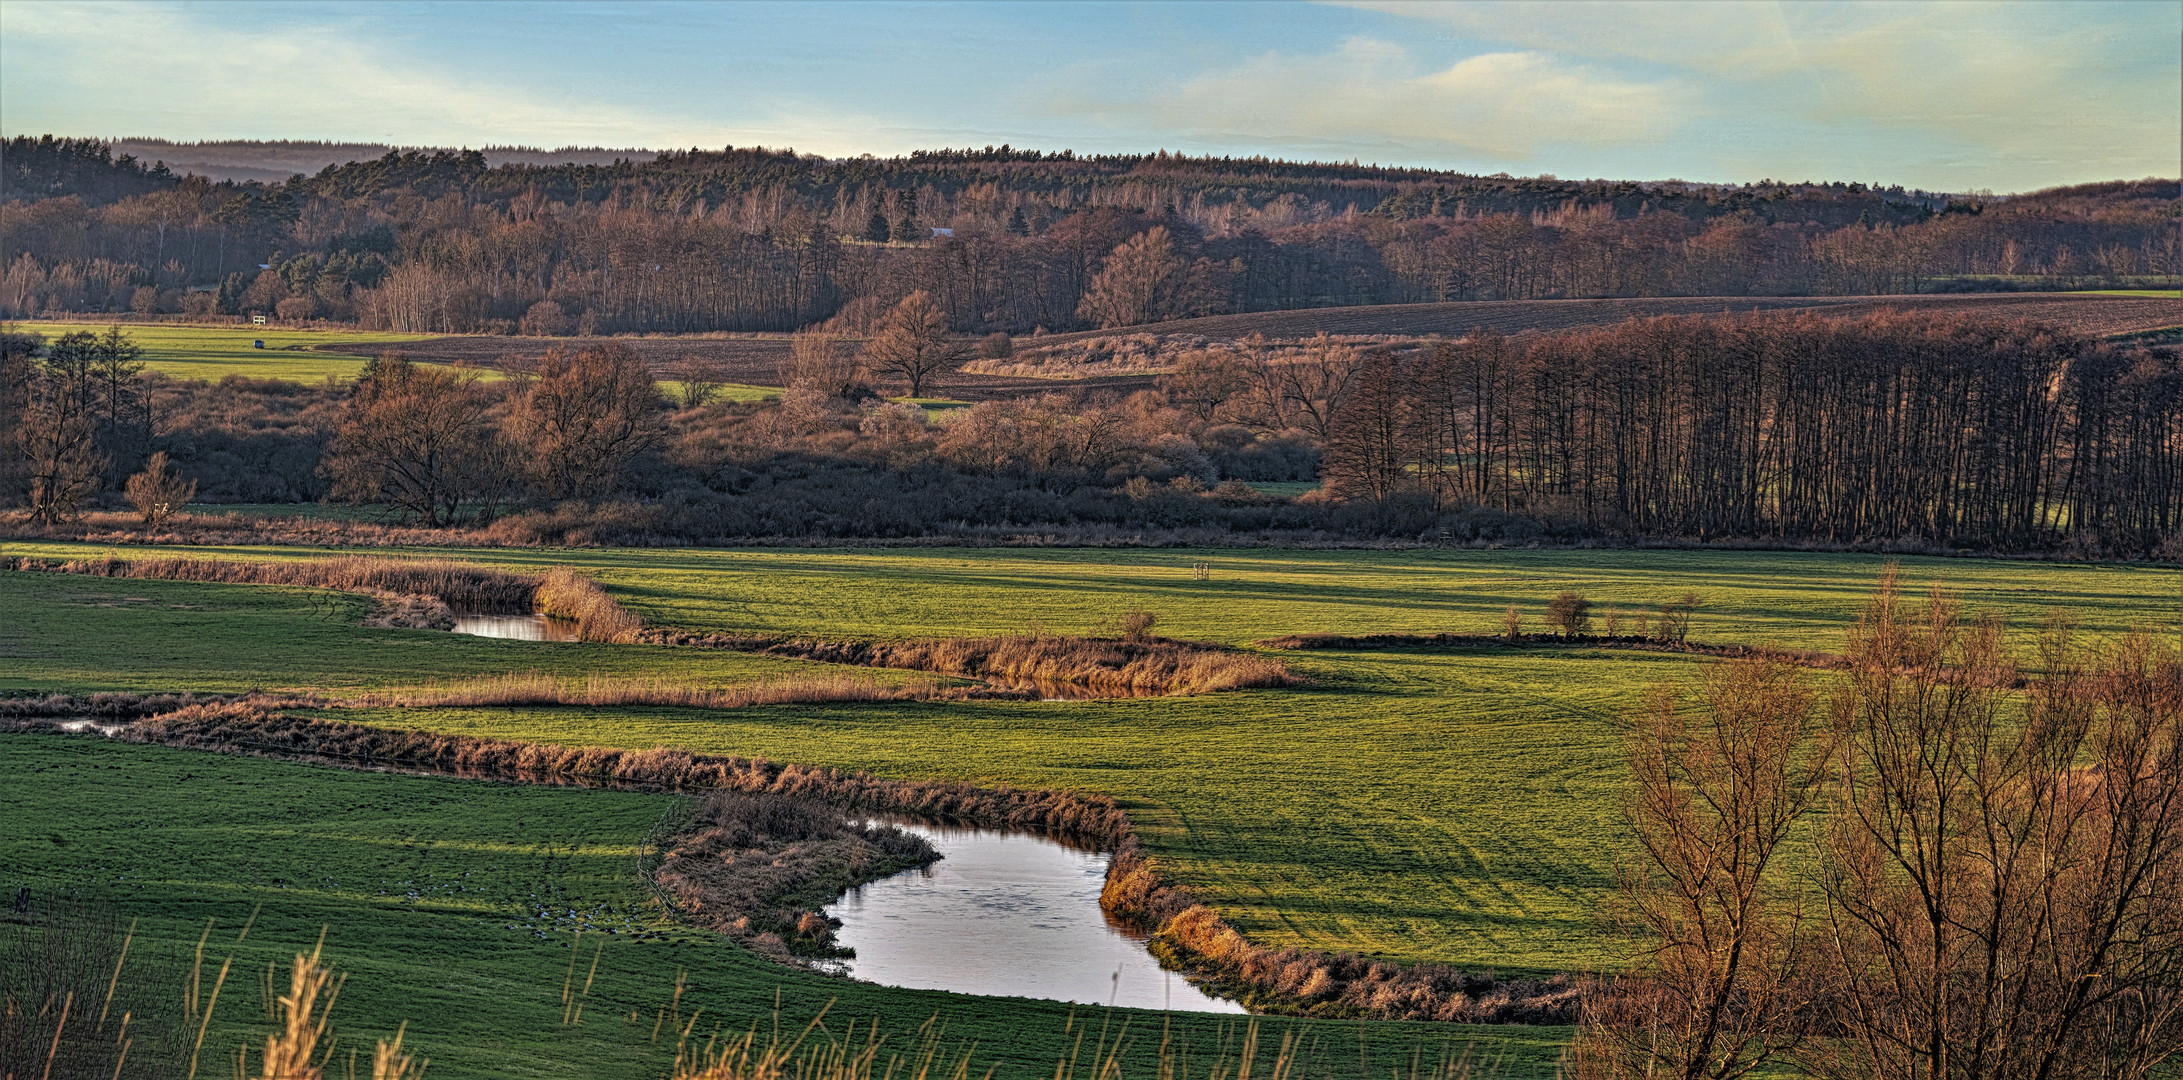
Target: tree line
(751, 239)
(1939, 432)
(1954, 430)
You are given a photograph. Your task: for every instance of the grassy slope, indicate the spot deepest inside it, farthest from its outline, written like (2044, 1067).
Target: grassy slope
(447, 902)
(1456, 807)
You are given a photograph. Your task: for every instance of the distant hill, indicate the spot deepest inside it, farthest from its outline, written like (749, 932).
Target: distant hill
(275, 161)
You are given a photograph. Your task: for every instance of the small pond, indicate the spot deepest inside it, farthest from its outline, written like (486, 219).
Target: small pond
(516, 627)
(1006, 913)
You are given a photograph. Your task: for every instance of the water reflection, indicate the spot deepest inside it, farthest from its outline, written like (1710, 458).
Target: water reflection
(1011, 914)
(517, 627)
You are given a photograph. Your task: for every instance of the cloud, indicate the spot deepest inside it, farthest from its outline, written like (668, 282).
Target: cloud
(2075, 86)
(1368, 94)
(68, 63)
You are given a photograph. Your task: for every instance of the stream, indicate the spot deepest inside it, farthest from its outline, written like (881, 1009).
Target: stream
(516, 627)
(1006, 914)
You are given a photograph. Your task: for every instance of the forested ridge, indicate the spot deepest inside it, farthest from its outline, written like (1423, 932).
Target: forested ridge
(1001, 239)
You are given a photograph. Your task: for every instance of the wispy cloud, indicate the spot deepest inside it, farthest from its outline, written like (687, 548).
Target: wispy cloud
(1369, 94)
(306, 81)
(2075, 86)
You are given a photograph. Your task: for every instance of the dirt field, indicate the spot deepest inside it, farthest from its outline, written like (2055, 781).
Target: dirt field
(2099, 315)
(755, 358)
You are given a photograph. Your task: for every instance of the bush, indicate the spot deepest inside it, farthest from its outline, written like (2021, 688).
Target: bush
(1571, 612)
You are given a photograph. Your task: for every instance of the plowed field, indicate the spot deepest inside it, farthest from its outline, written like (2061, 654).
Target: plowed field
(2098, 315)
(755, 359)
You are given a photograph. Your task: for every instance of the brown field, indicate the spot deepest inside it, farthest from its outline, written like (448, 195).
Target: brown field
(2096, 315)
(755, 358)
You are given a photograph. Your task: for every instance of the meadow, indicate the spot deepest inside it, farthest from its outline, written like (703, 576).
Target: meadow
(1454, 805)
(210, 353)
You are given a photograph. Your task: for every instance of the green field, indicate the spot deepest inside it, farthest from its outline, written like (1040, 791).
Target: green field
(453, 905)
(209, 353)
(1456, 806)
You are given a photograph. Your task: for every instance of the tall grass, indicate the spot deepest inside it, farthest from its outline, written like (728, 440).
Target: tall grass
(537, 688)
(565, 594)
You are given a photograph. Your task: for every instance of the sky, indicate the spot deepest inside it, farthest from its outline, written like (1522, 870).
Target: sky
(2010, 96)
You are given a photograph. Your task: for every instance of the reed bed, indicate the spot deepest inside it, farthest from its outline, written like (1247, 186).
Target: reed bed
(565, 594)
(1396, 642)
(537, 688)
(1103, 666)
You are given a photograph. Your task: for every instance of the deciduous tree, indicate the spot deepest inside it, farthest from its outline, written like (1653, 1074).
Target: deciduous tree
(913, 343)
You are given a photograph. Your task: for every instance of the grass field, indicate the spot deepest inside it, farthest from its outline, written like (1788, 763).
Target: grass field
(453, 905)
(1455, 806)
(210, 353)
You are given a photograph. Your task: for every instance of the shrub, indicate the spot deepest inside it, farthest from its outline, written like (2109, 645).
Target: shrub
(1571, 612)
(159, 491)
(1137, 625)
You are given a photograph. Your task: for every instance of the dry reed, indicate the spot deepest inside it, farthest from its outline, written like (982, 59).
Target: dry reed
(1101, 666)
(565, 594)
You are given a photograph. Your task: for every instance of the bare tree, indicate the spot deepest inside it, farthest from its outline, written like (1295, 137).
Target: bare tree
(913, 343)
(160, 491)
(1141, 281)
(824, 363)
(585, 417)
(416, 438)
(696, 380)
(2004, 874)
(1570, 611)
(1315, 384)
(1715, 794)
(58, 435)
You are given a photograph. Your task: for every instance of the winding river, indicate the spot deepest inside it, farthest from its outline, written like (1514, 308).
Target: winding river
(1006, 913)
(1002, 913)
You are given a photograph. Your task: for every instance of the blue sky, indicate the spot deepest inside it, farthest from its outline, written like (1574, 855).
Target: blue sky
(1951, 96)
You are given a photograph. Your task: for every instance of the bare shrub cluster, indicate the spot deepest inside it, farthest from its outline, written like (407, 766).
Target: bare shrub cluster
(1996, 890)
(758, 867)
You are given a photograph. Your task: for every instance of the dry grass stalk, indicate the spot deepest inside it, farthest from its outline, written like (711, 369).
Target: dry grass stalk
(538, 688)
(388, 1062)
(288, 1051)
